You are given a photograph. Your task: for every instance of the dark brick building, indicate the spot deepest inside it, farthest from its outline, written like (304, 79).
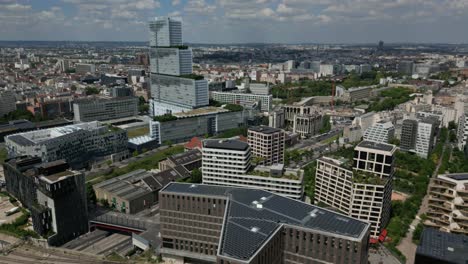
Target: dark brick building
(227, 225)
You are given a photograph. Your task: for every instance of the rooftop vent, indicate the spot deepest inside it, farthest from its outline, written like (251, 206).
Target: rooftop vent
(254, 229)
(263, 198)
(313, 214)
(450, 249)
(193, 186)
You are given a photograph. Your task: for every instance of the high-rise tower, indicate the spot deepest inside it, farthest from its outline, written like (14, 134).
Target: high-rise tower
(173, 86)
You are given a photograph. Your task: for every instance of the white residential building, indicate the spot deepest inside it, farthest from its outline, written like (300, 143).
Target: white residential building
(228, 163)
(363, 190)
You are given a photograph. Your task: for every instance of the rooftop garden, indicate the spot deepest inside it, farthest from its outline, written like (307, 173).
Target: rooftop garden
(193, 77)
(363, 177)
(165, 118)
(234, 107)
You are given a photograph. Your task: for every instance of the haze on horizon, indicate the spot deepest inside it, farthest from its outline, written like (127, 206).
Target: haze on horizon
(240, 21)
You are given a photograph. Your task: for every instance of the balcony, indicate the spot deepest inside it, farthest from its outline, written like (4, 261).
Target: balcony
(445, 194)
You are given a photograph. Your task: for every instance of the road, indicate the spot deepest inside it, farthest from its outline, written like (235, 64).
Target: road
(406, 246)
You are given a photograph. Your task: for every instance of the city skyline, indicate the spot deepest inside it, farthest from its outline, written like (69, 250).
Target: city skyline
(239, 21)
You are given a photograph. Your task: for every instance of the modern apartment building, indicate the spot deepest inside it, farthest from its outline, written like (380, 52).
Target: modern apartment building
(84, 68)
(77, 144)
(174, 88)
(381, 132)
(244, 99)
(7, 103)
(419, 135)
(217, 224)
(448, 203)
(362, 190)
(55, 196)
(228, 162)
(267, 143)
(100, 109)
(307, 125)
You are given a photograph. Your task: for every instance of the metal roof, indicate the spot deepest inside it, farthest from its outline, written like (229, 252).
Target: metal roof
(265, 129)
(253, 216)
(447, 247)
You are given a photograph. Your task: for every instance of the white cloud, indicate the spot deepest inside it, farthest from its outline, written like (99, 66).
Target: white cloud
(199, 6)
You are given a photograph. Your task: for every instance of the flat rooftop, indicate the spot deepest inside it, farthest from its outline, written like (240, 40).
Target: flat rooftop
(253, 216)
(447, 247)
(265, 129)
(228, 144)
(457, 176)
(39, 136)
(201, 111)
(376, 146)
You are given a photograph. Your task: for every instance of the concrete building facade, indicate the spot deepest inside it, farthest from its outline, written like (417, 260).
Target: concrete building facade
(244, 99)
(267, 143)
(77, 144)
(448, 203)
(100, 109)
(48, 191)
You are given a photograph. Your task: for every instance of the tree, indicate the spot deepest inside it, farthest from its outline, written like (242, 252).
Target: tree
(90, 194)
(168, 143)
(452, 125)
(91, 90)
(196, 176)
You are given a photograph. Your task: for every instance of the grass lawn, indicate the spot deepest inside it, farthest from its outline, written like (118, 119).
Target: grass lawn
(147, 163)
(141, 131)
(330, 140)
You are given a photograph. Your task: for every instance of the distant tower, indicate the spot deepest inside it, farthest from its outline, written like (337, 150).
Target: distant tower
(381, 45)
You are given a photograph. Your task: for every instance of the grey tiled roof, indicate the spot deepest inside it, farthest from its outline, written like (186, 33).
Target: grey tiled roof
(253, 216)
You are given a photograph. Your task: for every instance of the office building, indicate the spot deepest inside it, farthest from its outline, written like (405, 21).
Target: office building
(165, 32)
(217, 224)
(405, 67)
(327, 69)
(437, 247)
(78, 144)
(100, 109)
(174, 94)
(171, 61)
(361, 190)
(358, 93)
(260, 88)
(84, 68)
(244, 99)
(267, 144)
(210, 121)
(121, 91)
(174, 88)
(276, 119)
(408, 134)
(55, 196)
(228, 162)
(381, 132)
(7, 103)
(448, 203)
(419, 135)
(307, 125)
(300, 108)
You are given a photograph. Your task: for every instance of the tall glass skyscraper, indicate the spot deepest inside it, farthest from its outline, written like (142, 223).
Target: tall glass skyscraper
(173, 86)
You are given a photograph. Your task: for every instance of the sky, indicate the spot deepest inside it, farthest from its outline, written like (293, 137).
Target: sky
(240, 21)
